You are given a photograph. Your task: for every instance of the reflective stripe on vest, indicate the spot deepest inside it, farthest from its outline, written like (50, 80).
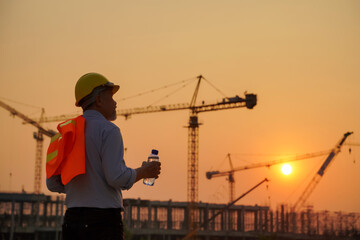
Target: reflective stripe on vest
(52, 150)
(66, 152)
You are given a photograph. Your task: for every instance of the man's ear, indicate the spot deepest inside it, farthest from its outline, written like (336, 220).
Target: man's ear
(98, 101)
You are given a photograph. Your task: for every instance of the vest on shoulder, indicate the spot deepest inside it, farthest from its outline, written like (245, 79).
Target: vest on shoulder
(66, 152)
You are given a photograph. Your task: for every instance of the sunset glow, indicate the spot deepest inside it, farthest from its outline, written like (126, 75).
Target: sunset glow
(300, 58)
(286, 169)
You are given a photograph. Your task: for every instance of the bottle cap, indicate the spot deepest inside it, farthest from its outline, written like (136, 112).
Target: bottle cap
(154, 151)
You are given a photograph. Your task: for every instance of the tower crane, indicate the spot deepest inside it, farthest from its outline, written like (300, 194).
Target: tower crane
(38, 136)
(318, 175)
(230, 173)
(249, 102)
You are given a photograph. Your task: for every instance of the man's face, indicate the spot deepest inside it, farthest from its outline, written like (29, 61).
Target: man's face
(108, 104)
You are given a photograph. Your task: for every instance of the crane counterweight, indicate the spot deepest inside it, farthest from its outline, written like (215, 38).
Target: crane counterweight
(210, 174)
(251, 100)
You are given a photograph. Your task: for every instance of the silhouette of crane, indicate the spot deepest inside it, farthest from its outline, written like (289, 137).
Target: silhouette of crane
(308, 190)
(38, 136)
(319, 174)
(249, 102)
(230, 173)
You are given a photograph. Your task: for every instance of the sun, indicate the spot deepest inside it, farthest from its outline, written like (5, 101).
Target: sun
(286, 169)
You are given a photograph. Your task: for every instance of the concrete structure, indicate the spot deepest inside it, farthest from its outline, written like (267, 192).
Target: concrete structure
(36, 216)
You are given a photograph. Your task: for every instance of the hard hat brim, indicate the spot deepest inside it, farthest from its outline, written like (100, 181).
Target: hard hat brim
(115, 88)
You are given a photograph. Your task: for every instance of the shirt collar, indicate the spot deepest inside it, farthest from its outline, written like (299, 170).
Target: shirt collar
(93, 113)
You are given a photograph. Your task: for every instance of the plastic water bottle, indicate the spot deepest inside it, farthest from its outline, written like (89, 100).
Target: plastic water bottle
(152, 157)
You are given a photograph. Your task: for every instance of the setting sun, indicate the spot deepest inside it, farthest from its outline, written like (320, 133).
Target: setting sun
(286, 169)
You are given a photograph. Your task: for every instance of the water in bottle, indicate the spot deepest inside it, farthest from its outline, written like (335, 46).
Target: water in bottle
(152, 157)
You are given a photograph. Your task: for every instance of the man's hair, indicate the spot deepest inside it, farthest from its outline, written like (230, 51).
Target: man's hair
(90, 99)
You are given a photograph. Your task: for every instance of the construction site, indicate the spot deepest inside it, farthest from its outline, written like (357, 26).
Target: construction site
(37, 216)
(251, 106)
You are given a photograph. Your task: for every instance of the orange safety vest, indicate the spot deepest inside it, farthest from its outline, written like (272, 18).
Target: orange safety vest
(66, 152)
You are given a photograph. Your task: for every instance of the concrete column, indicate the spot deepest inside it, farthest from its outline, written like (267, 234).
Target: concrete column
(260, 220)
(149, 221)
(51, 208)
(37, 213)
(222, 223)
(294, 222)
(129, 216)
(282, 219)
(12, 227)
(277, 221)
(242, 220)
(155, 218)
(271, 221)
(186, 218)
(21, 214)
(57, 212)
(149, 225)
(317, 224)
(138, 214)
(238, 216)
(256, 220)
(229, 220)
(302, 223)
(206, 217)
(44, 213)
(266, 224)
(308, 222)
(169, 216)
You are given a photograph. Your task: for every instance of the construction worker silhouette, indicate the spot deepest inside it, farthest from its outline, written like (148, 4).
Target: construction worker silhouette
(85, 161)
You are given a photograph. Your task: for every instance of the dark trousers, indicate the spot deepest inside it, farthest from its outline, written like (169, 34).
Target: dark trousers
(93, 223)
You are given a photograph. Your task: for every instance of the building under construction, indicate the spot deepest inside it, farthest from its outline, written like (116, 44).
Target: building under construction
(37, 216)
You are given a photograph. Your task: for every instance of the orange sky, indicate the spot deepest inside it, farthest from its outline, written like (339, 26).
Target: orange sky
(301, 58)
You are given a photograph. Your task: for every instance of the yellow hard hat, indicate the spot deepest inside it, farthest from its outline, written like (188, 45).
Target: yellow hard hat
(86, 84)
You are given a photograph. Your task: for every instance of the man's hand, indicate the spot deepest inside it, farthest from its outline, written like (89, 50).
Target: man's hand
(152, 169)
(148, 170)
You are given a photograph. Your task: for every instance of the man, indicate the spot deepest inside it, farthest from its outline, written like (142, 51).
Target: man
(94, 199)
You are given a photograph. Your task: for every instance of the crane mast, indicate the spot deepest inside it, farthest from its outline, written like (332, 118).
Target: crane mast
(193, 159)
(38, 136)
(193, 148)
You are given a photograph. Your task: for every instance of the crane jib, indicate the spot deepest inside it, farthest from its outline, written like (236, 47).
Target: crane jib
(326, 163)
(332, 154)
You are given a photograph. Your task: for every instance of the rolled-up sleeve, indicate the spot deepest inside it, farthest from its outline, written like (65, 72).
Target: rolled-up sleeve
(54, 184)
(117, 174)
